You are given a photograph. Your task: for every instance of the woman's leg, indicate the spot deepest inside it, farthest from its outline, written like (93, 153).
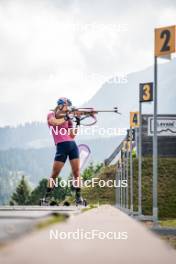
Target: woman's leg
(75, 165)
(59, 161)
(57, 167)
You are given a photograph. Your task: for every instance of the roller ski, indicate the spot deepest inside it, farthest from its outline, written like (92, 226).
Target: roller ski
(79, 201)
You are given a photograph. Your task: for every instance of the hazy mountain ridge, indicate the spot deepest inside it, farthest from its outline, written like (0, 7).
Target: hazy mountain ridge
(123, 95)
(126, 96)
(24, 136)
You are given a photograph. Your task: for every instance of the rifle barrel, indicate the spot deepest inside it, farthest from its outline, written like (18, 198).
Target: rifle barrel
(108, 111)
(89, 110)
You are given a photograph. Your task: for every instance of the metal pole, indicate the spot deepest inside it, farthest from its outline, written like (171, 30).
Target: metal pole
(118, 185)
(140, 162)
(121, 197)
(117, 188)
(124, 178)
(155, 147)
(127, 198)
(122, 187)
(131, 173)
(137, 142)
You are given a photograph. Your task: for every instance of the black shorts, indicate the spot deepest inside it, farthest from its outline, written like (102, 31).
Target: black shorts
(66, 149)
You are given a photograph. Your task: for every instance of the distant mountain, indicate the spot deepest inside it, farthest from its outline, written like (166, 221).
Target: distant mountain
(30, 135)
(126, 95)
(111, 93)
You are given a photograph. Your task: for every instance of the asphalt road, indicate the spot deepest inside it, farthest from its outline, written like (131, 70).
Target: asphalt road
(18, 220)
(139, 246)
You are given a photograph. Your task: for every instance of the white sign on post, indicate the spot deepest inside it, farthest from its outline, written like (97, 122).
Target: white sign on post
(166, 126)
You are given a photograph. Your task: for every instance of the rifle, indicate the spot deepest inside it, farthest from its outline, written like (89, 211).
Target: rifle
(83, 116)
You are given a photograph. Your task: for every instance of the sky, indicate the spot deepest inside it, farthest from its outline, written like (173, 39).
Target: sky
(69, 48)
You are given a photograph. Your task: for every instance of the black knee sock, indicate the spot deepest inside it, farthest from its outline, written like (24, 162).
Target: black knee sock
(78, 192)
(48, 191)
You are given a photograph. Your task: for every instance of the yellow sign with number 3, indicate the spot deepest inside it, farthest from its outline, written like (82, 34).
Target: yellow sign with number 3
(146, 95)
(146, 92)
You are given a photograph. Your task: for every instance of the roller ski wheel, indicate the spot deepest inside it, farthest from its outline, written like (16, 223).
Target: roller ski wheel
(66, 203)
(53, 203)
(48, 202)
(85, 202)
(81, 202)
(44, 202)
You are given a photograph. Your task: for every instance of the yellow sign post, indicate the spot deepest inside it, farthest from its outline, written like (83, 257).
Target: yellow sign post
(134, 119)
(146, 92)
(134, 123)
(165, 39)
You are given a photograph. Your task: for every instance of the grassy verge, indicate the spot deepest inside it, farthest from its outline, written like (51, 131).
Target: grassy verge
(166, 187)
(89, 207)
(100, 195)
(168, 223)
(54, 219)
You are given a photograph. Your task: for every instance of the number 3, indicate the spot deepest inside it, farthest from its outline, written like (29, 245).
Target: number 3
(146, 92)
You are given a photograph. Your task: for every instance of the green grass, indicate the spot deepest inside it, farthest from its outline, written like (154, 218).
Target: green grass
(54, 219)
(101, 195)
(166, 187)
(89, 207)
(168, 223)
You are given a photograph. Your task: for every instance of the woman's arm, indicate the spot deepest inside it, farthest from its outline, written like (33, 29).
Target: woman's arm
(52, 121)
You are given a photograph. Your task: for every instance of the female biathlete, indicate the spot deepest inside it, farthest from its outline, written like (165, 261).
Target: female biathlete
(63, 135)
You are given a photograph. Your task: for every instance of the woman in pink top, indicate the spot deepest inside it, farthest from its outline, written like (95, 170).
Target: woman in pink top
(63, 135)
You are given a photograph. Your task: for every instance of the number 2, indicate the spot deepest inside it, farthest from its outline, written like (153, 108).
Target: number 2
(166, 34)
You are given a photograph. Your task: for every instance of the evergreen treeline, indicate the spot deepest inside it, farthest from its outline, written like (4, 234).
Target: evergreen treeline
(23, 195)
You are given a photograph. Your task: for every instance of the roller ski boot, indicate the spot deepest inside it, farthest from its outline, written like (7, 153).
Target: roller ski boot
(66, 203)
(80, 201)
(47, 200)
(78, 198)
